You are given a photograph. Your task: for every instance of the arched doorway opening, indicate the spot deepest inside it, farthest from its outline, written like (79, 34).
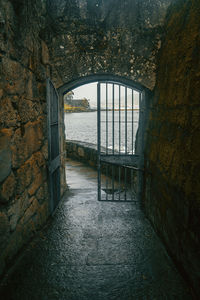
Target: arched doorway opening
(128, 158)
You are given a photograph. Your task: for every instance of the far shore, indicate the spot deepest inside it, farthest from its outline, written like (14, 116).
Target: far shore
(94, 109)
(79, 110)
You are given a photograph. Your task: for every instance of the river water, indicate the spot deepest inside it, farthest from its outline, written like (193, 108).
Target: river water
(83, 127)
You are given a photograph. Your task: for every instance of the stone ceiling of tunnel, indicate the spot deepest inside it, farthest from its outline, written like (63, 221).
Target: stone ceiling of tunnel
(120, 37)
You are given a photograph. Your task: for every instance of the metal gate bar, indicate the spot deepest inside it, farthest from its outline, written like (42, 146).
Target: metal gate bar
(53, 145)
(125, 120)
(119, 118)
(113, 118)
(119, 138)
(99, 138)
(117, 163)
(106, 136)
(132, 94)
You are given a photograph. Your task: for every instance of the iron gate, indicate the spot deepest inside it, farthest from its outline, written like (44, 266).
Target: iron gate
(53, 145)
(118, 117)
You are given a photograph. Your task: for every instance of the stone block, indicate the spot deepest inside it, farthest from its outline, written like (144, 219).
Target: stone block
(38, 179)
(26, 141)
(15, 75)
(41, 216)
(7, 189)
(39, 158)
(33, 136)
(31, 174)
(30, 211)
(14, 215)
(5, 153)
(42, 193)
(29, 110)
(8, 115)
(24, 177)
(24, 201)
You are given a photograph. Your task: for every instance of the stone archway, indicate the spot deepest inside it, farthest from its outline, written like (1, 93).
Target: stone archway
(100, 77)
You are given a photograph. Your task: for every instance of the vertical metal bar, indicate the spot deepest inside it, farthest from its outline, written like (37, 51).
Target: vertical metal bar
(113, 118)
(140, 109)
(140, 146)
(125, 120)
(119, 119)
(113, 136)
(119, 140)
(140, 99)
(131, 185)
(132, 121)
(119, 183)
(99, 137)
(140, 126)
(48, 93)
(106, 118)
(106, 139)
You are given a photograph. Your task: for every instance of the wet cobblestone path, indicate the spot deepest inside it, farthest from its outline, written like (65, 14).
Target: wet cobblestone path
(94, 250)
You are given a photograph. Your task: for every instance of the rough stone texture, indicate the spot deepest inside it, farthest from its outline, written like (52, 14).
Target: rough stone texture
(8, 188)
(5, 153)
(119, 37)
(172, 196)
(23, 69)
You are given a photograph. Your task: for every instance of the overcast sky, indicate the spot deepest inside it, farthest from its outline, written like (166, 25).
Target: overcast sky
(89, 91)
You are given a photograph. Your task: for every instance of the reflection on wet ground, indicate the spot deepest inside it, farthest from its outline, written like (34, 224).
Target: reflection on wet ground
(94, 251)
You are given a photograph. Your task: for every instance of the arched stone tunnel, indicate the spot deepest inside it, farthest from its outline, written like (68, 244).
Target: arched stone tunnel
(155, 43)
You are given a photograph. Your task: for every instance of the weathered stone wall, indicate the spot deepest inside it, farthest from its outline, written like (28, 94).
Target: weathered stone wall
(119, 37)
(172, 196)
(23, 143)
(82, 151)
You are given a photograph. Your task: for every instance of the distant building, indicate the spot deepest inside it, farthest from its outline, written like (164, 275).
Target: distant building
(78, 103)
(69, 96)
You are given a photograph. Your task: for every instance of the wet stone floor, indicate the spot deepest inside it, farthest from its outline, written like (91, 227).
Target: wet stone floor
(94, 250)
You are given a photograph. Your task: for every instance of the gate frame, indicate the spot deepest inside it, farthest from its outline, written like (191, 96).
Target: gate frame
(138, 156)
(53, 164)
(103, 77)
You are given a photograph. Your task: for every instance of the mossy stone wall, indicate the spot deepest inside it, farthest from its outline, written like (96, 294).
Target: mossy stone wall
(172, 179)
(23, 133)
